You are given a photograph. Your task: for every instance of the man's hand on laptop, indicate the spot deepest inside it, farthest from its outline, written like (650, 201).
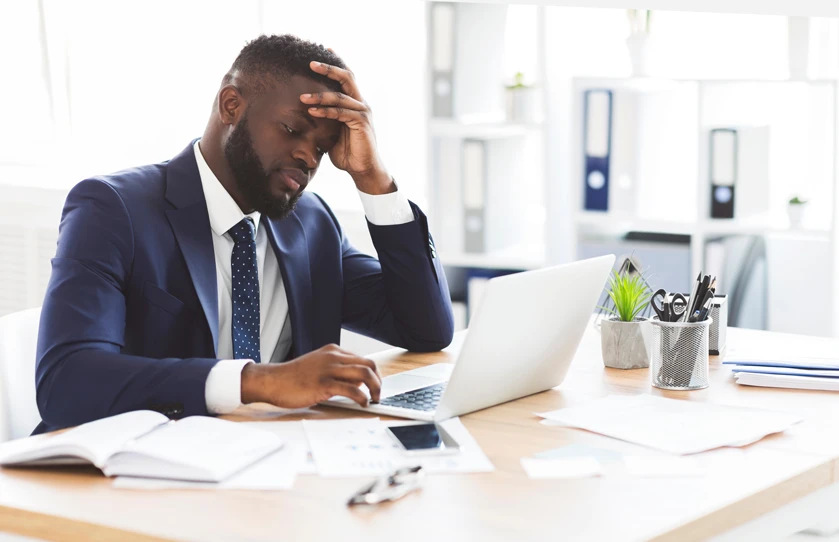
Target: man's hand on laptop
(311, 379)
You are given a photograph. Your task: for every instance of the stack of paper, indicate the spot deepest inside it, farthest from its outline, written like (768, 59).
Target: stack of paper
(671, 425)
(804, 373)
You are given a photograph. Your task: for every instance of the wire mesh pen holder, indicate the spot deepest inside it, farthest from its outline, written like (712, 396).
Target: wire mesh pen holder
(680, 355)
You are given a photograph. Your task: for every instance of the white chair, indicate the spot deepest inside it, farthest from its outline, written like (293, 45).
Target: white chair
(18, 340)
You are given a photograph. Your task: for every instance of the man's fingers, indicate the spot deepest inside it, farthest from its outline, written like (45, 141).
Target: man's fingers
(333, 99)
(345, 77)
(351, 359)
(357, 374)
(344, 389)
(349, 117)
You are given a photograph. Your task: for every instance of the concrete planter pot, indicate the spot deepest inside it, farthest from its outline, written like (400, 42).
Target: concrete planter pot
(626, 345)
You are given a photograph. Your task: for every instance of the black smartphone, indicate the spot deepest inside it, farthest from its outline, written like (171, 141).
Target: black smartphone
(424, 438)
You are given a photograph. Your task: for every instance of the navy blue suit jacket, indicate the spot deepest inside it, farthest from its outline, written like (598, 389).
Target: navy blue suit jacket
(130, 318)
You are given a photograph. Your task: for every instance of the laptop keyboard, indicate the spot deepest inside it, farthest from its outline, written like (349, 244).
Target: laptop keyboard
(420, 399)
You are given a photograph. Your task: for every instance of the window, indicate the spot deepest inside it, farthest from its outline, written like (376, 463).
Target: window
(24, 88)
(119, 84)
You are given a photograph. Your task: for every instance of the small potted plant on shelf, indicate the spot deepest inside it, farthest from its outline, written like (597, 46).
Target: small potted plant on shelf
(522, 101)
(625, 338)
(796, 209)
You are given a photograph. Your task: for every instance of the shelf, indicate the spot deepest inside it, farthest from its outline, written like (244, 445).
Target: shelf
(753, 226)
(519, 258)
(665, 82)
(492, 130)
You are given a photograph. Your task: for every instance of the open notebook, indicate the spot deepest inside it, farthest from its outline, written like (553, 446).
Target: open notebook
(147, 444)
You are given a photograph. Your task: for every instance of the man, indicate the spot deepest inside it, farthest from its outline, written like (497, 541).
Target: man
(182, 286)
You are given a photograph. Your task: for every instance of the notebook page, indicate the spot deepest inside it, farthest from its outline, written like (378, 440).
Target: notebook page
(94, 441)
(103, 438)
(212, 447)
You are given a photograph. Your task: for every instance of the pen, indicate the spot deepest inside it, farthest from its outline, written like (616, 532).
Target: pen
(701, 303)
(692, 298)
(700, 294)
(704, 314)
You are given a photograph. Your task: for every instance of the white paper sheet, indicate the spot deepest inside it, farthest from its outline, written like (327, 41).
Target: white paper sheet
(603, 455)
(671, 425)
(275, 472)
(291, 432)
(825, 364)
(565, 468)
(361, 447)
(787, 381)
(661, 466)
(789, 371)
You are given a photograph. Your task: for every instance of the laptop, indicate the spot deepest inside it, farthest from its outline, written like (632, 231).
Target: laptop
(522, 339)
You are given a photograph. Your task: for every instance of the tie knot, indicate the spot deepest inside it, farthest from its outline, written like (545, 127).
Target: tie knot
(243, 231)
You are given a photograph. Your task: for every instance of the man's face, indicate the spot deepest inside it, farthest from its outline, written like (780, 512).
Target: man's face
(276, 147)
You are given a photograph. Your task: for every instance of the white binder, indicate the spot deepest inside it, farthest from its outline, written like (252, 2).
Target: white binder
(474, 182)
(442, 58)
(495, 189)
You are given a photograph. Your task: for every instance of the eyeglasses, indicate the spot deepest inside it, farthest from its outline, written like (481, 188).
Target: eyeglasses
(391, 487)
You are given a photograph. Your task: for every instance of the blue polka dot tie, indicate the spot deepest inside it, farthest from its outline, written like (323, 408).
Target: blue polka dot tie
(245, 291)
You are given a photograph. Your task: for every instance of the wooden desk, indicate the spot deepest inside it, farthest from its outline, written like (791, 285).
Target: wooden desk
(740, 485)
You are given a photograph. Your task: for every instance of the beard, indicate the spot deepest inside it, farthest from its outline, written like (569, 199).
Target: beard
(251, 179)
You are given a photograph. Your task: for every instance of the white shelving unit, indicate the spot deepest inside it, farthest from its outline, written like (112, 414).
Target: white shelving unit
(697, 207)
(707, 227)
(559, 136)
(695, 189)
(531, 253)
(462, 130)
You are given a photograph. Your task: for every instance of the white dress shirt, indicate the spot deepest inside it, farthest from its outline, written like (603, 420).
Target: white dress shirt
(222, 390)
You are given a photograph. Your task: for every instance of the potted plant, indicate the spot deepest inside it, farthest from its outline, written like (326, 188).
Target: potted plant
(638, 42)
(796, 209)
(522, 101)
(625, 338)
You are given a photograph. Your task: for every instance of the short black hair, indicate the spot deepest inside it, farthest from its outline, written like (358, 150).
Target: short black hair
(270, 59)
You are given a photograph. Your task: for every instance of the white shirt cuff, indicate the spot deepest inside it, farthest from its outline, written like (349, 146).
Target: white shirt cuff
(386, 209)
(223, 389)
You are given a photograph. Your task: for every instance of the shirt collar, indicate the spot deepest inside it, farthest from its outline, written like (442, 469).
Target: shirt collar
(222, 208)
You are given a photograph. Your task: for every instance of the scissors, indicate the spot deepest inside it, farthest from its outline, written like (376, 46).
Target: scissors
(669, 307)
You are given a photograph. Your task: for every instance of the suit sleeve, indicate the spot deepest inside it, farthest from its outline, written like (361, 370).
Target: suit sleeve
(81, 374)
(403, 297)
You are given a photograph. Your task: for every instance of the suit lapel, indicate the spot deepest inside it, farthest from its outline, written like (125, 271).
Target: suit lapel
(288, 238)
(190, 222)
